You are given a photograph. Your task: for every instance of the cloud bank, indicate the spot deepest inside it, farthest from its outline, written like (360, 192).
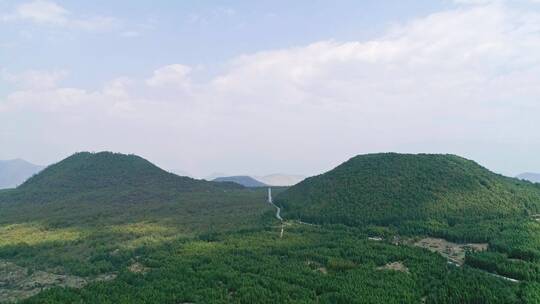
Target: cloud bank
(44, 12)
(462, 81)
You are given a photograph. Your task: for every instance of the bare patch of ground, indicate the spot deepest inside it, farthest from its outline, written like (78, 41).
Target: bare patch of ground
(138, 268)
(105, 277)
(17, 283)
(454, 252)
(395, 266)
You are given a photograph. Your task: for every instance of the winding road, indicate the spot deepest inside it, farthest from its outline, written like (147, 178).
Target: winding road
(278, 212)
(270, 201)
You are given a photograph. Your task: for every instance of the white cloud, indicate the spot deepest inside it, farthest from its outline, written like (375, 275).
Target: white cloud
(175, 75)
(45, 12)
(42, 12)
(35, 80)
(450, 82)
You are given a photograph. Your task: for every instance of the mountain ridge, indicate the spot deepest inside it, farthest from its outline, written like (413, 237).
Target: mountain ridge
(280, 179)
(111, 176)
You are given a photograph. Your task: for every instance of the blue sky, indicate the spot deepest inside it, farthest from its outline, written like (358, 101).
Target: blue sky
(270, 86)
(194, 32)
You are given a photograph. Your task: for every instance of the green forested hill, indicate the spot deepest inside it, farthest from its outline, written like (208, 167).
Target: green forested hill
(111, 228)
(394, 188)
(108, 176)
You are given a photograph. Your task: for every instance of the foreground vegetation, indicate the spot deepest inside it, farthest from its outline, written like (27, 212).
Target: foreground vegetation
(307, 265)
(189, 261)
(79, 237)
(223, 244)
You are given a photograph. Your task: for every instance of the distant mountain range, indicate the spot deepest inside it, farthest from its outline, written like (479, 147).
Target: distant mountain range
(280, 179)
(15, 172)
(215, 175)
(532, 177)
(246, 181)
(276, 180)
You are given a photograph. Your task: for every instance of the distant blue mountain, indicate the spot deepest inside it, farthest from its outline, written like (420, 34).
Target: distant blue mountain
(532, 177)
(245, 181)
(15, 172)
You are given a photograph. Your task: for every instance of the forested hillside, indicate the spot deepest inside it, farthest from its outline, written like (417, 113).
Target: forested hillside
(112, 228)
(107, 176)
(392, 189)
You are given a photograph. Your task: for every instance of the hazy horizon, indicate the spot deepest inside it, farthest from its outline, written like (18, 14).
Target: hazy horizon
(216, 174)
(272, 86)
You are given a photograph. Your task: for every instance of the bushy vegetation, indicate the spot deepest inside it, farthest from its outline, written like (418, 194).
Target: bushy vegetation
(514, 251)
(77, 237)
(307, 265)
(391, 189)
(108, 177)
(173, 240)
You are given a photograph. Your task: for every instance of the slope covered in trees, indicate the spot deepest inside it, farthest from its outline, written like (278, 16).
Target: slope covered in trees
(308, 265)
(211, 243)
(107, 176)
(391, 189)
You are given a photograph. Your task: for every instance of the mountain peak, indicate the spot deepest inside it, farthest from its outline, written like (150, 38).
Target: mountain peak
(390, 188)
(116, 173)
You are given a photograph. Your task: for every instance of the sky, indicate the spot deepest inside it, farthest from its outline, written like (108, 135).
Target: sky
(259, 87)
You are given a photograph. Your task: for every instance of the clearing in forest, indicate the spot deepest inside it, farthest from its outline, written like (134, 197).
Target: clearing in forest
(454, 252)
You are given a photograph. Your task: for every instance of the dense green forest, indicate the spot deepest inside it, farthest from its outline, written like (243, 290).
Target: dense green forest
(307, 265)
(108, 177)
(396, 189)
(111, 228)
